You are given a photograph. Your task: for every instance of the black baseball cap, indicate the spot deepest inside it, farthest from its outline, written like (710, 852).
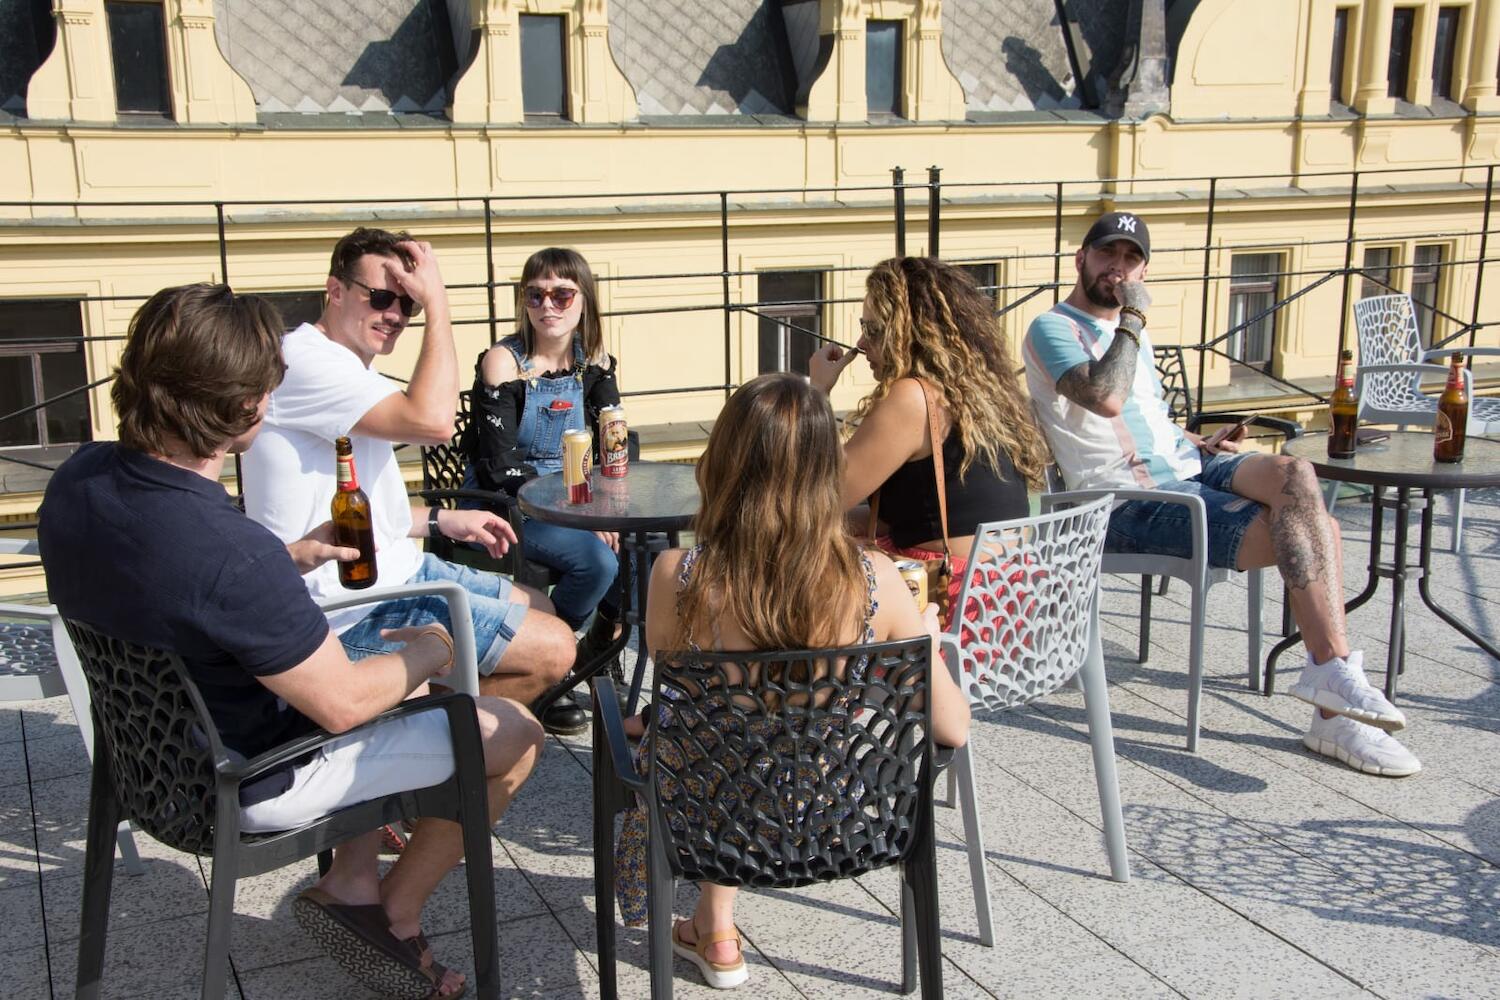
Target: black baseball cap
(1113, 226)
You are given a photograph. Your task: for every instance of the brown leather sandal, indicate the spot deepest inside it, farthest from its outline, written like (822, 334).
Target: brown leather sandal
(719, 975)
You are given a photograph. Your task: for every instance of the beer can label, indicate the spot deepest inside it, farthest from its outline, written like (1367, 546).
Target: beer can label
(576, 461)
(915, 575)
(614, 452)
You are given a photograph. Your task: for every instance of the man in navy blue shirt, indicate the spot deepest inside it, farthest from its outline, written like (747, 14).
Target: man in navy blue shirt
(140, 541)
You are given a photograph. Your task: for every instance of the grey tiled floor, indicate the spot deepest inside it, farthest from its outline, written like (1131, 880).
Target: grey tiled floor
(1259, 870)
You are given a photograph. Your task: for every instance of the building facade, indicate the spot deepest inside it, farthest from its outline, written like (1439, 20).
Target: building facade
(704, 151)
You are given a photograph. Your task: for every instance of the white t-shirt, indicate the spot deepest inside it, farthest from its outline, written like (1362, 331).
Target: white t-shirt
(1141, 448)
(290, 475)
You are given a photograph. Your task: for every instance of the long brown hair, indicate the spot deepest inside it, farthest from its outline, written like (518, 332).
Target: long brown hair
(197, 360)
(776, 559)
(568, 264)
(932, 322)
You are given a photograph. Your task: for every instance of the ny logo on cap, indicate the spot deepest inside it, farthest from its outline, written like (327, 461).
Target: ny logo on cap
(1126, 223)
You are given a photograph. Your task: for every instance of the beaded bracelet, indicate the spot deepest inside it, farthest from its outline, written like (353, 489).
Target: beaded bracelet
(1132, 310)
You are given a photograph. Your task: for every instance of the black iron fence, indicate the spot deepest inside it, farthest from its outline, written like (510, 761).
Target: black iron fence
(1472, 188)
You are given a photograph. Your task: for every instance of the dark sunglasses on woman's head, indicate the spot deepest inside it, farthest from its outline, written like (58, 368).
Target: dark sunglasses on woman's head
(382, 299)
(561, 296)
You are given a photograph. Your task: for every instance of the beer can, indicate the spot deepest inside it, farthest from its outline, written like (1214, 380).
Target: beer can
(614, 442)
(577, 444)
(915, 575)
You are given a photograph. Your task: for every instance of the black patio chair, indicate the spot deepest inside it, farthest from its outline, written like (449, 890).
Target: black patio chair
(159, 762)
(768, 771)
(443, 469)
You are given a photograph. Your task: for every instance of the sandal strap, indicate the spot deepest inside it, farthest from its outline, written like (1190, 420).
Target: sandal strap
(704, 940)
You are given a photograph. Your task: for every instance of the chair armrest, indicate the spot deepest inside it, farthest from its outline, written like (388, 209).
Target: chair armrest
(448, 701)
(1197, 512)
(496, 499)
(465, 675)
(607, 715)
(1286, 428)
(1445, 352)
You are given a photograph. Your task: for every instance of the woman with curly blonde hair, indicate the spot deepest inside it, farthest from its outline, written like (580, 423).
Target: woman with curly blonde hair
(930, 335)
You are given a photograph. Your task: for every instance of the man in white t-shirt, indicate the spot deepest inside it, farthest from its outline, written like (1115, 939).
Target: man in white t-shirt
(1091, 374)
(377, 282)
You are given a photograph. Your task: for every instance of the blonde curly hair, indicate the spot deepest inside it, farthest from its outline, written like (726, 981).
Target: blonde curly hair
(932, 322)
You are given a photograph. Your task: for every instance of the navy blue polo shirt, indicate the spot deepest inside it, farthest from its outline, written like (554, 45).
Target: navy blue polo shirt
(147, 552)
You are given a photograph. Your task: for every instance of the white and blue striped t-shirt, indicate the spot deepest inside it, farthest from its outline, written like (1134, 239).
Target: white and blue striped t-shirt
(1141, 448)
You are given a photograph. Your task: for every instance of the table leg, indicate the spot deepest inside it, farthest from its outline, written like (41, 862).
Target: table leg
(1396, 648)
(642, 584)
(1294, 636)
(1429, 600)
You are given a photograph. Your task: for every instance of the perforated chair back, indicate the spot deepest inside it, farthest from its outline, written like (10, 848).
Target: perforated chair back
(1388, 335)
(1027, 605)
(443, 465)
(782, 769)
(156, 732)
(1171, 371)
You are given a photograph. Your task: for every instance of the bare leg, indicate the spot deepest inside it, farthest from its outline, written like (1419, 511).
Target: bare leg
(539, 655)
(1297, 535)
(512, 743)
(715, 912)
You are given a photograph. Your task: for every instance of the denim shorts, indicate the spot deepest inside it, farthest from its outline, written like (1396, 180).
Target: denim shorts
(1146, 526)
(496, 616)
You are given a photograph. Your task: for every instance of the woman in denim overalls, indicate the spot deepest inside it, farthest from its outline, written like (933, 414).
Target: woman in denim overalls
(553, 375)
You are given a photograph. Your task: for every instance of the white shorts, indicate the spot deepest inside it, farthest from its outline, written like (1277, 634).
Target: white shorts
(413, 752)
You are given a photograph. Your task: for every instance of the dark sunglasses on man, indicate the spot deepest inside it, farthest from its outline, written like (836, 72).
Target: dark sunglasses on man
(561, 296)
(382, 299)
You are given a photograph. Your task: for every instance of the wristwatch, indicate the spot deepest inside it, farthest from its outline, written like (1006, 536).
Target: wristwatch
(433, 531)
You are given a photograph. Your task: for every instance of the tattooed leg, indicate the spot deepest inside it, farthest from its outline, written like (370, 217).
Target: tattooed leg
(1303, 542)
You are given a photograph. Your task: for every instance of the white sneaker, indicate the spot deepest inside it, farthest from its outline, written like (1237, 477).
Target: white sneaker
(1362, 747)
(1340, 686)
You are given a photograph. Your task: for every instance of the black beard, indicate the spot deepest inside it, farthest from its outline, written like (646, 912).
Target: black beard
(1101, 295)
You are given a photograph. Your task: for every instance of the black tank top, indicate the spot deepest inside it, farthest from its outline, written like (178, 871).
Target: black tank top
(908, 499)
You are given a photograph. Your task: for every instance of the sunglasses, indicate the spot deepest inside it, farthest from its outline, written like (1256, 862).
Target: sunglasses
(868, 328)
(561, 296)
(382, 299)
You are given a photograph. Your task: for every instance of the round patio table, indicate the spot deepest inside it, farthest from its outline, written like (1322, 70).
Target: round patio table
(1402, 462)
(648, 507)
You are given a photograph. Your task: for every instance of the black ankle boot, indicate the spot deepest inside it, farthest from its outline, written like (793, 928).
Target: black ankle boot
(595, 641)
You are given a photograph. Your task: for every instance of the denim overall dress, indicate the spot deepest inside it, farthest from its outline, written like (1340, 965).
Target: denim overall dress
(542, 423)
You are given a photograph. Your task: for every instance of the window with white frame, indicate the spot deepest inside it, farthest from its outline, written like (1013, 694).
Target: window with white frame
(1254, 281)
(791, 319)
(41, 357)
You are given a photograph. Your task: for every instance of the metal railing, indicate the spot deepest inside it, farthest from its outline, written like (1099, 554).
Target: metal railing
(1093, 194)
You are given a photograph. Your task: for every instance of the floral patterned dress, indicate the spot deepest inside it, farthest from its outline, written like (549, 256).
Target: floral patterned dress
(630, 846)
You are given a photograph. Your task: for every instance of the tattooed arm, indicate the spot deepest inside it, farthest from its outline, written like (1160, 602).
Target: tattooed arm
(1102, 386)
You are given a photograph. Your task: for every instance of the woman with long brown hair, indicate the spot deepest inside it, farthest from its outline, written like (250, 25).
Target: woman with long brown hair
(774, 569)
(933, 343)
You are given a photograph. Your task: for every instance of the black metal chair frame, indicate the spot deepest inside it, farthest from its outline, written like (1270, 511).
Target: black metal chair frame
(159, 762)
(884, 737)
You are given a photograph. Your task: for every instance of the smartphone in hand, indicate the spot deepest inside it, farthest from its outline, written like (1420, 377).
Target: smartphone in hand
(1235, 430)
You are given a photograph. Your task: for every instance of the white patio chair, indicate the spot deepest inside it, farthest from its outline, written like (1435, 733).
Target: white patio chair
(1033, 583)
(1392, 365)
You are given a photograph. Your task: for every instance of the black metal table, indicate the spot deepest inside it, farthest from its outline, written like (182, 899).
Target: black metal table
(648, 507)
(1403, 463)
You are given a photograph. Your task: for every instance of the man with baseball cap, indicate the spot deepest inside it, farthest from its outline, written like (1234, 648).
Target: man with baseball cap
(1091, 374)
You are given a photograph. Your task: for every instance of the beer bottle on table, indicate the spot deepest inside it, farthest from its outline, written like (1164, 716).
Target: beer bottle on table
(1452, 417)
(351, 521)
(1343, 411)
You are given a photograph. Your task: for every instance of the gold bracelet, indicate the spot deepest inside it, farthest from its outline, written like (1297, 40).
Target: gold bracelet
(1132, 310)
(438, 632)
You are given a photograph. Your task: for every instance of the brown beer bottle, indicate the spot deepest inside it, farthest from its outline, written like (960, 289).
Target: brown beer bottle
(351, 521)
(1343, 411)
(1452, 417)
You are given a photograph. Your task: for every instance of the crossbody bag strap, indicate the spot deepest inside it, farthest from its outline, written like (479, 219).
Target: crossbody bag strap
(928, 394)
